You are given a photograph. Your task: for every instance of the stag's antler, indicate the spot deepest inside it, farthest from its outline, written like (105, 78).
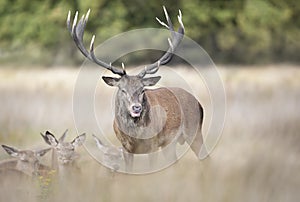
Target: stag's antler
(77, 32)
(175, 40)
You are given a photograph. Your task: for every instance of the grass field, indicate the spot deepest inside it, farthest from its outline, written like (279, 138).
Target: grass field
(256, 159)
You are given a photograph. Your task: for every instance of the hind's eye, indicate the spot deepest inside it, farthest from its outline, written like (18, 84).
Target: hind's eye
(123, 91)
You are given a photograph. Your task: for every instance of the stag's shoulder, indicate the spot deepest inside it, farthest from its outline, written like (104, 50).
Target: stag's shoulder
(157, 91)
(169, 92)
(160, 95)
(176, 96)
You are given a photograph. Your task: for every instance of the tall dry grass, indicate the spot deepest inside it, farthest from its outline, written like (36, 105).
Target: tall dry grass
(257, 158)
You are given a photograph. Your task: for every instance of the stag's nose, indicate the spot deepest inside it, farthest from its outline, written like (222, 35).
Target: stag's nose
(137, 108)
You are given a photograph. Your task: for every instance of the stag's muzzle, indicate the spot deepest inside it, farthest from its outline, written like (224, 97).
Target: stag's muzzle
(135, 110)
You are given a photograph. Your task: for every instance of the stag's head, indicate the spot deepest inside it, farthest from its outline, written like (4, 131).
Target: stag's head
(131, 91)
(65, 150)
(130, 87)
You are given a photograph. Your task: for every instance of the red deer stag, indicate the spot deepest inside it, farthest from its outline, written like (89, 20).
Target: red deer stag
(135, 105)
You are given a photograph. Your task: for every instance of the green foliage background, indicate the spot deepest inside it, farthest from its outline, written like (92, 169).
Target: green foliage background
(231, 31)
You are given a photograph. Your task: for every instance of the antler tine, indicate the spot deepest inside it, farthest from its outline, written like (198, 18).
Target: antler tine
(75, 21)
(113, 69)
(174, 41)
(179, 17)
(77, 32)
(168, 19)
(123, 67)
(68, 22)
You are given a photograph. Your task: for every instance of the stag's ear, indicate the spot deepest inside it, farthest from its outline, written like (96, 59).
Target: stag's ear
(11, 151)
(111, 80)
(151, 81)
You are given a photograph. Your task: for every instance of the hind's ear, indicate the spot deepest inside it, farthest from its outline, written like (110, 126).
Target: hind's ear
(42, 152)
(151, 81)
(11, 151)
(111, 81)
(78, 141)
(50, 139)
(62, 138)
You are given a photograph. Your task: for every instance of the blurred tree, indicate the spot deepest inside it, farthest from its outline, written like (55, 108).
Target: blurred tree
(231, 31)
